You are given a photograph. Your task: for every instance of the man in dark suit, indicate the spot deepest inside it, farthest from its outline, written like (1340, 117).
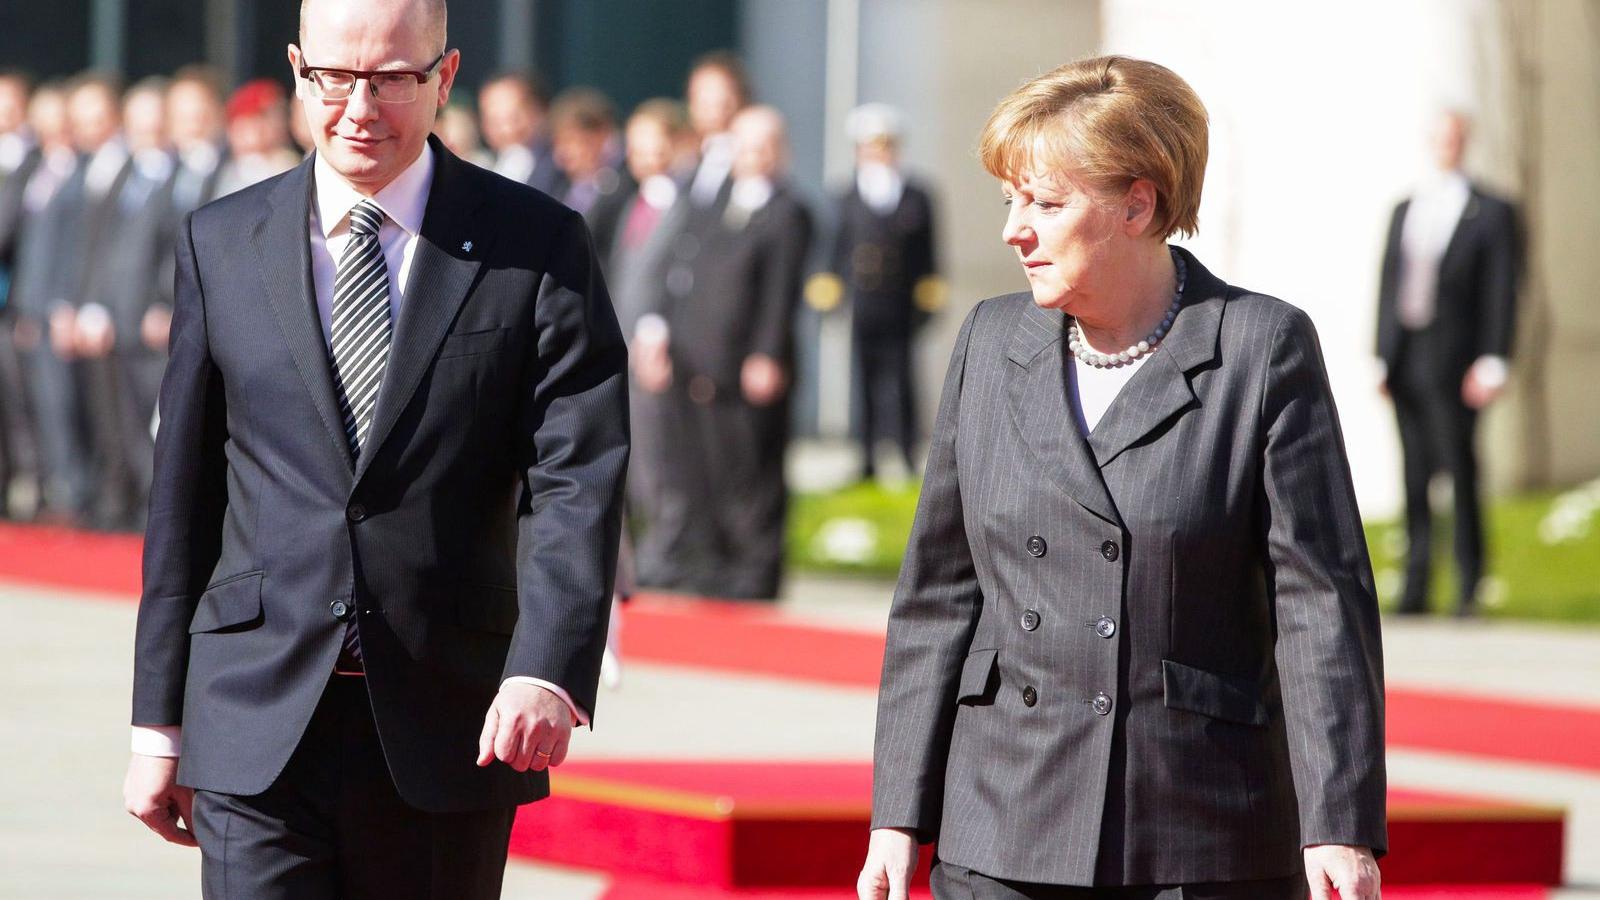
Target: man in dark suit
(1446, 312)
(883, 253)
(723, 350)
(716, 91)
(512, 110)
(19, 159)
(387, 497)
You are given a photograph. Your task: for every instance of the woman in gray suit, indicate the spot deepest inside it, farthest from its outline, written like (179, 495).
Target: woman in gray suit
(1134, 650)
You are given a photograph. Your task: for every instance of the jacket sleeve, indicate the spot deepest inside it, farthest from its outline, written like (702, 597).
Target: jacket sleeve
(1500, 274)
(188, 497)
(935, 610)
(572, 449)
(778, 290)
(1329, 655)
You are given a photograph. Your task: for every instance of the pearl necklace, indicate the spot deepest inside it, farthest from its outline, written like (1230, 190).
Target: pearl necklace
(1092, 357)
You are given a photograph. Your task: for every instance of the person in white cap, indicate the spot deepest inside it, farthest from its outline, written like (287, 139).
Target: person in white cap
(884, 263)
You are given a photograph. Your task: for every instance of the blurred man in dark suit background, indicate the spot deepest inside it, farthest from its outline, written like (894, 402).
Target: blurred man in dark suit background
(1446, 316)
(512, 110)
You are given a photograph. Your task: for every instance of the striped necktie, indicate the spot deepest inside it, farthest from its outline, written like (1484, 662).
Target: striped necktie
(360, 338)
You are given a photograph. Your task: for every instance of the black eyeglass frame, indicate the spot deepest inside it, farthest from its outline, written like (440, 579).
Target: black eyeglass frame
(421, 76)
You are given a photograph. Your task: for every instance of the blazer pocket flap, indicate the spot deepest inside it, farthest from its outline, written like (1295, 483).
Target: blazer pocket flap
(471, 343)
(1226, 697)
(488, 607)
(977, 673)
(233, 601)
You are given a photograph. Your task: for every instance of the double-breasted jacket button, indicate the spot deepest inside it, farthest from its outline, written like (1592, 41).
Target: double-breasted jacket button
(1029, 696)
(1030, 620)
(341, 610)
(356, 512)
(1036, 546)
(1101, 703)
(1109, 551)
(1105, 626)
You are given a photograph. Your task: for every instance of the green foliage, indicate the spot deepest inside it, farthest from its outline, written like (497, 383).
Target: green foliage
(1544, 550)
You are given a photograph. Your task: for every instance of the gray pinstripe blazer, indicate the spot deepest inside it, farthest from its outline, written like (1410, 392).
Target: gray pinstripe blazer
(1151, 656)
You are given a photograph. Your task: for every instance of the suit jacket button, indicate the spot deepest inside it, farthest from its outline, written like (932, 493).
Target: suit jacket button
(1030, 620)
(1105, 626)
(1036, 546)
(1109, 551)
(356, 512)
(341, 610)
(1101, 703)
(1029, 696)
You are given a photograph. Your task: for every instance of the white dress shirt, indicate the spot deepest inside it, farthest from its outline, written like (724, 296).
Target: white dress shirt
(1431, 221)
(403, 201)
(517, 163)
(1093, 389)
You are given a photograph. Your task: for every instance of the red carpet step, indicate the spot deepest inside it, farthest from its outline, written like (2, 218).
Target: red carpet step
(804, 825)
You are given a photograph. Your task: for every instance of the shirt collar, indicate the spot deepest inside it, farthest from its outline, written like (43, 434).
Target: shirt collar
(404, 200)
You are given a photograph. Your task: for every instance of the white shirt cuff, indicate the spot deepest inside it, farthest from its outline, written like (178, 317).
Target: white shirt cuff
(1492, 371)
(157, 740)
(651, 328)
(578, 715)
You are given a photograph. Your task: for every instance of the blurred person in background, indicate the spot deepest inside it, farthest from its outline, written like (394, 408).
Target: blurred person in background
(716, 91)
(883, 264)
(55, 274)
(583, 130)
(651, 215)
(1134, 652)
(1446, 316)
(20, 157)
(299, 127)
(458, 129)
(512, 109)
(721, 355)
(258, 136)
(133, 237)
(34, 271)
(132, 276)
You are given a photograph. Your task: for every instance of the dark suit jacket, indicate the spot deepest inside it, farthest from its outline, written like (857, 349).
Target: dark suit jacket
(1477, 287)
(741, 291)
(137, 252)
(12, 185)
(1184, 597)
(476, 537)
(882, 257)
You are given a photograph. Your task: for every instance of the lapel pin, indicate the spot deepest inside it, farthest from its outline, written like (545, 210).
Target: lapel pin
(467, 247)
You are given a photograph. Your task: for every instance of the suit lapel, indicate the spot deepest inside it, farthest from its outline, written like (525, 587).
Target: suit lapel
(1037, 394)
(442, 273)
(1160, 389)
(283, 255)
(1469, 217)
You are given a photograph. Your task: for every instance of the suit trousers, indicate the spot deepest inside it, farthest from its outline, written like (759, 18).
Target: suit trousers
(19, 453)
(884, 399)
(1437, 434)
(58, 424)
(333, 825)
(719, 525)
(958, 883)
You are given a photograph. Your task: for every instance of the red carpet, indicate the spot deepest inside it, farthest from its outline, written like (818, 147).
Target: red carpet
(803, 825)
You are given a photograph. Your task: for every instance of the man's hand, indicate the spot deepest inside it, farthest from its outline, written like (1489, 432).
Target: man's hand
(891, 858)
(527, 727)
(762, 379)
(652, 364)
(1352, 871)
(64, 331)
(156, 326)
(1478, 392)
(154, 797)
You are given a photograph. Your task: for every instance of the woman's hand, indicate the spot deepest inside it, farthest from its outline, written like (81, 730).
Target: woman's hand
(891, 858)
(1352, 871)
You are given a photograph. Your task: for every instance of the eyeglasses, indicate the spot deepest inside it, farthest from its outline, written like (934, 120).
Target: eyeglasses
(388, 85)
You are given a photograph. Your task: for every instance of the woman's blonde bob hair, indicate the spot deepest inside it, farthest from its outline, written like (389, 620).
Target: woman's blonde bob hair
(1106, 122)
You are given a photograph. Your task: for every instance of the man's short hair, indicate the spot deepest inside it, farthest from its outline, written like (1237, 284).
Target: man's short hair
(729, 64)
(438, 16)
(100, 81)
(664, 111)
(583, 108)
(17, 76)
(529, 86)
(207, 77)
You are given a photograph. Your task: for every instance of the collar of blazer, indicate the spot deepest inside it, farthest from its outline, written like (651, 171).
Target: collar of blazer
(442, 274)
(1037, 390)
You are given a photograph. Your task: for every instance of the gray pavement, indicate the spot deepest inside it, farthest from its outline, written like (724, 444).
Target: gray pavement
(65, 660)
